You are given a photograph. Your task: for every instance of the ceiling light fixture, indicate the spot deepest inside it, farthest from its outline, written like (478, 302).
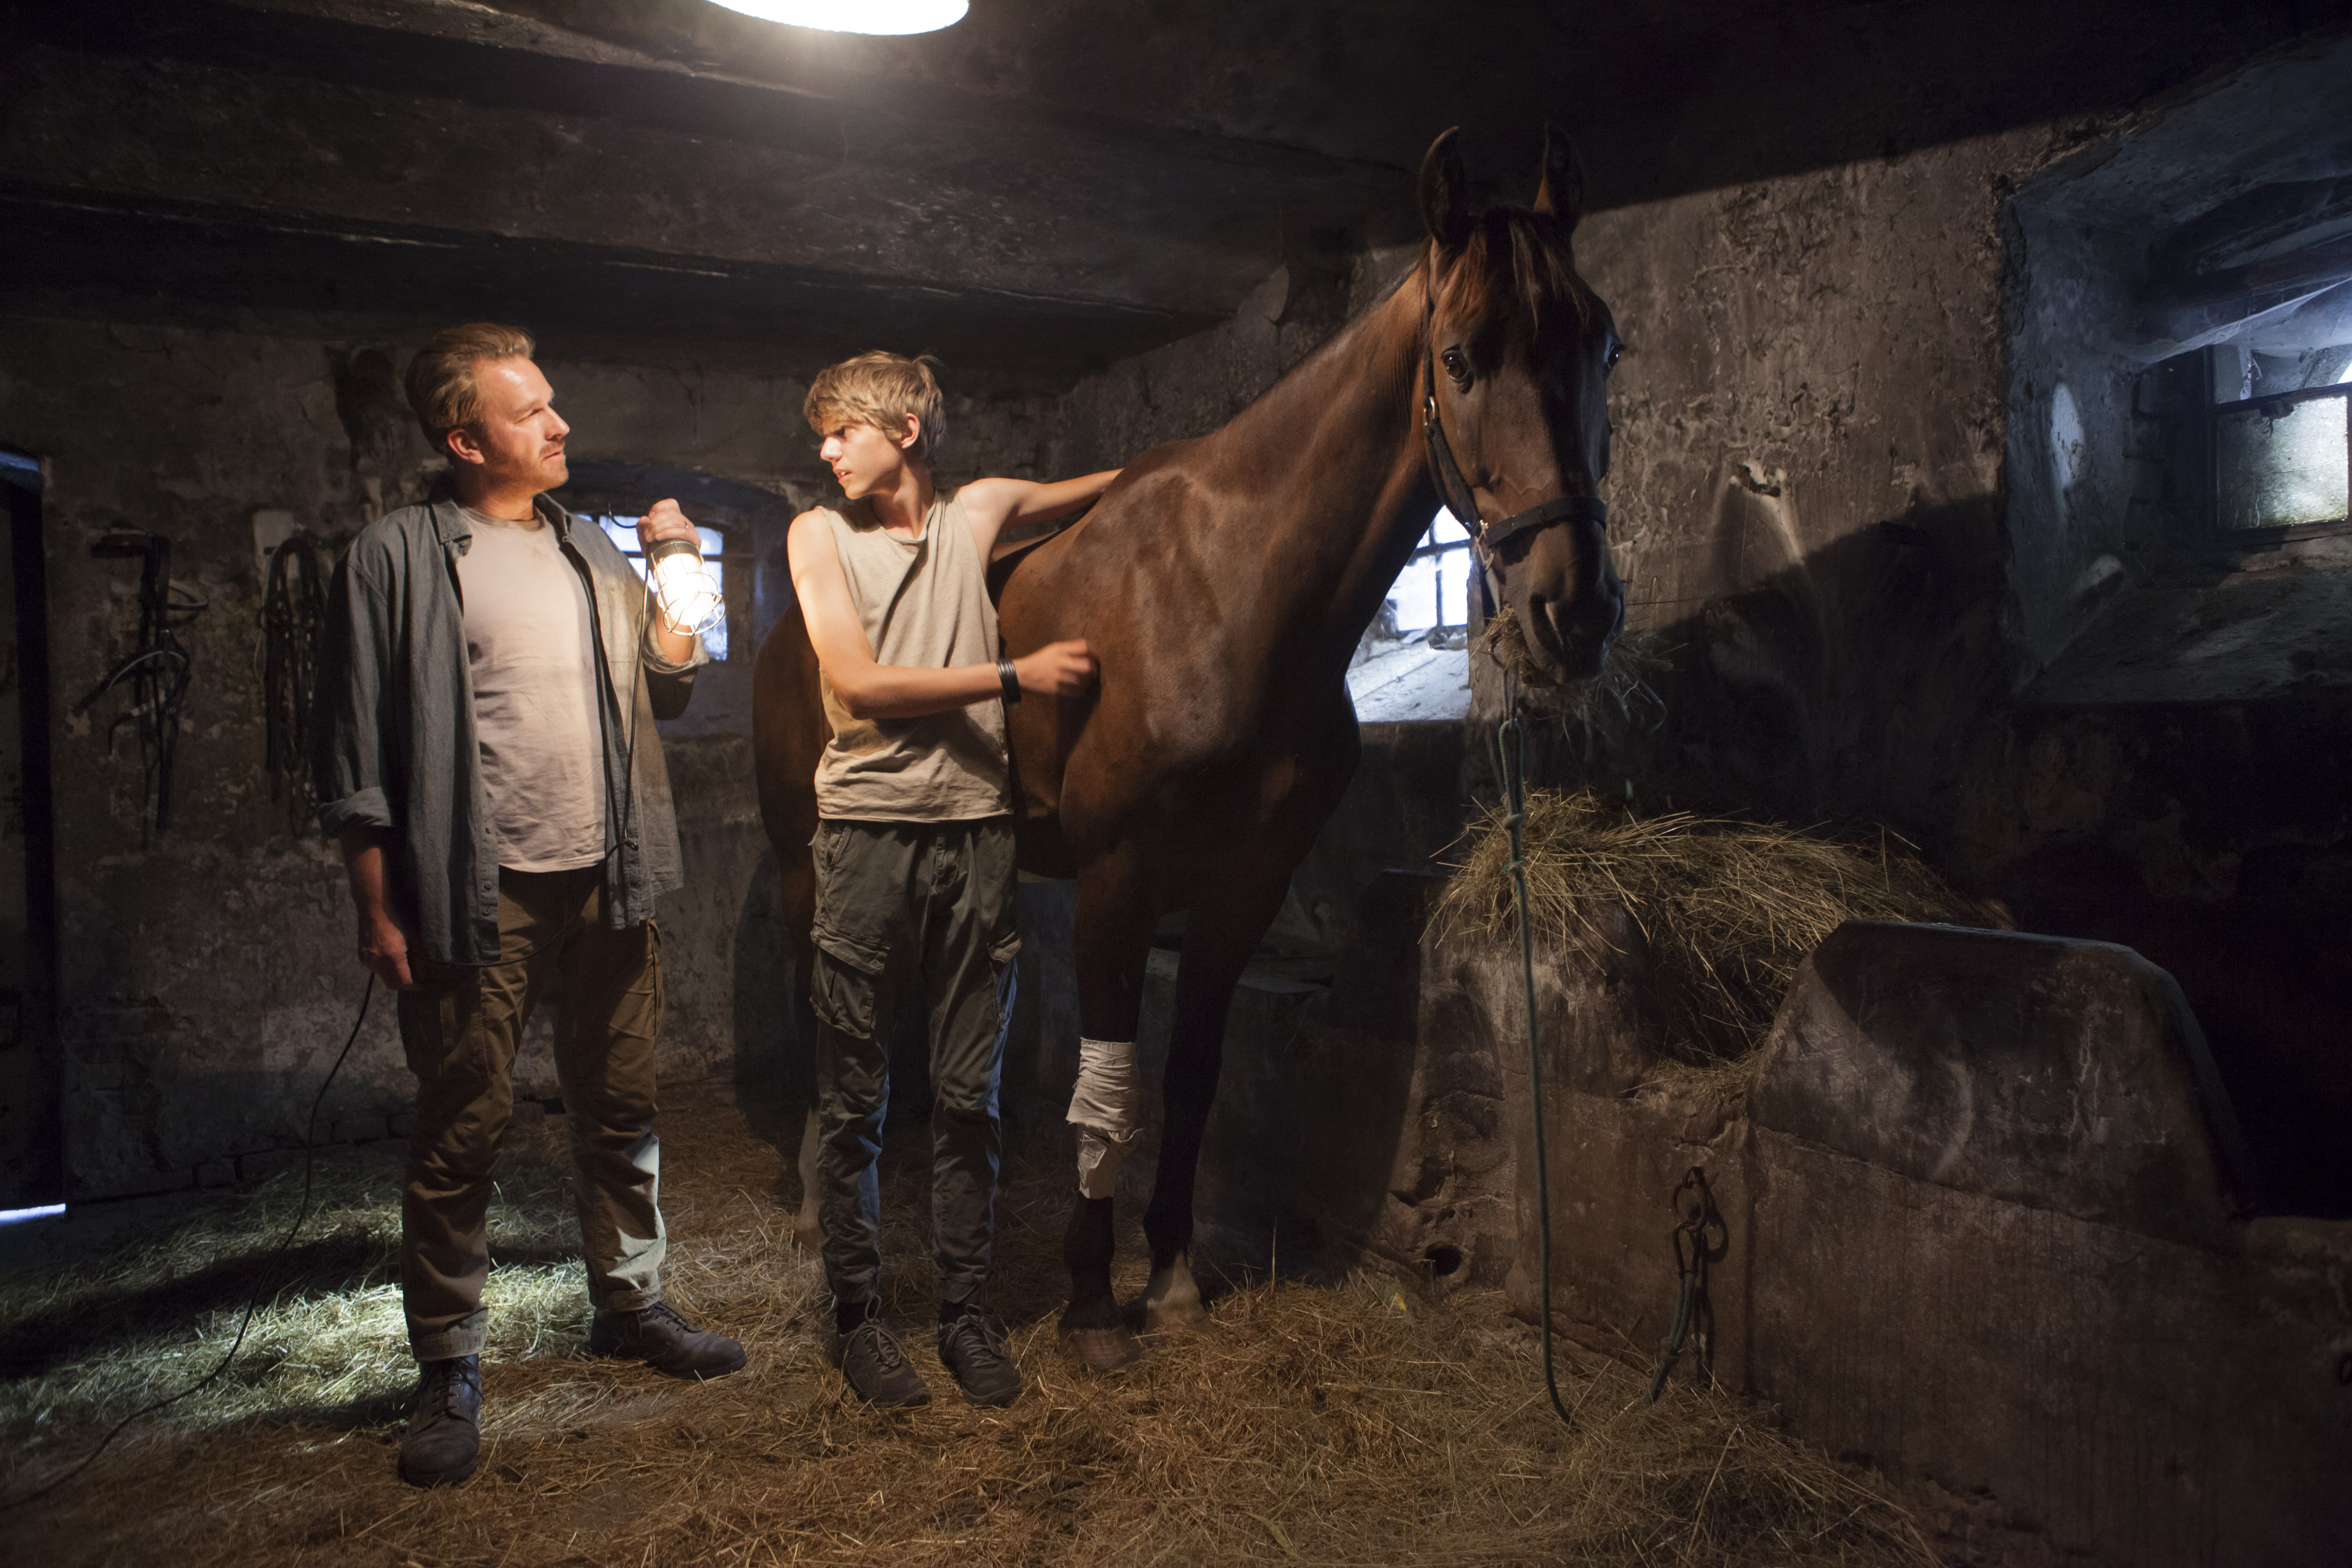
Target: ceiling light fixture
(881, 16)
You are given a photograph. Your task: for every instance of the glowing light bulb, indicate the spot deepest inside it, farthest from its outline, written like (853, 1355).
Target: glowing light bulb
(892, 18)
(682, 586)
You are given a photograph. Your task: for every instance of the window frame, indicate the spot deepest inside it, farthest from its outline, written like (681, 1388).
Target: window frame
(1436, 550)
(2209, 416)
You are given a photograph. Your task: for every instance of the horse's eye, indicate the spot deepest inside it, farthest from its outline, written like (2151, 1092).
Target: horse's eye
(1457, 367)
(1616, 353)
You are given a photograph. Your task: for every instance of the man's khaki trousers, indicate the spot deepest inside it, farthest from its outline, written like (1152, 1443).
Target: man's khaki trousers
(460, 1027)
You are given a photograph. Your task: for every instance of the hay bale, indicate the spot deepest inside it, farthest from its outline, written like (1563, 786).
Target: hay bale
(1725, 910)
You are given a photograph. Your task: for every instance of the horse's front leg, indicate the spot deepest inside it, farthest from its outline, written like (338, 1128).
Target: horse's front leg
(1115, 914)
(1219, 938)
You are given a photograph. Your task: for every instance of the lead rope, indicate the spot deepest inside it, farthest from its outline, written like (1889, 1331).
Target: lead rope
(1511, 755)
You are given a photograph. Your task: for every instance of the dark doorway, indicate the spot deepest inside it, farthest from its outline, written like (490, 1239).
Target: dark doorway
(32, 1140)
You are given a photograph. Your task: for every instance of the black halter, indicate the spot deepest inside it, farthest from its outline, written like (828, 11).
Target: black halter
(1452, 489)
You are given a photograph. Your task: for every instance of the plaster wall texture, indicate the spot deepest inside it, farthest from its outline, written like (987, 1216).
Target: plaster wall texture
(208, 973)
(1810, 473)
(2085, 477)
(1190, 388)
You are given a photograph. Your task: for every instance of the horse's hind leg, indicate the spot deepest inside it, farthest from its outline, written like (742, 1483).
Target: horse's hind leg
(1113, 937)
(1219, 938)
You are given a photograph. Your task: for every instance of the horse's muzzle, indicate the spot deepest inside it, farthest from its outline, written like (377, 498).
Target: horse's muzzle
(1574, 633)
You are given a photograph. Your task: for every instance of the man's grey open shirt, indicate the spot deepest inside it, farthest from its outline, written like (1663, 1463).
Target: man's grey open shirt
(394, 745)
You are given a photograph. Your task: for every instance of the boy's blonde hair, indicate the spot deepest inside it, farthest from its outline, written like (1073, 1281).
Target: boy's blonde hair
(441, 389)
(880, 389)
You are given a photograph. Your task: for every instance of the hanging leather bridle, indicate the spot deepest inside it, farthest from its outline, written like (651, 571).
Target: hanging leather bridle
(1454, 490)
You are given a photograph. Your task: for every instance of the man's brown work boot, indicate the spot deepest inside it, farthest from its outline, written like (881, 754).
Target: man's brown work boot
(665, 1342)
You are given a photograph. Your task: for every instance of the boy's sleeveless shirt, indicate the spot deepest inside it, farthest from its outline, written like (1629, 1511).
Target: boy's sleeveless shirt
(924, 603)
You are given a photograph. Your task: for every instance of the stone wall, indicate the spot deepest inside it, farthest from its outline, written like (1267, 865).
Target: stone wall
(1808, 497)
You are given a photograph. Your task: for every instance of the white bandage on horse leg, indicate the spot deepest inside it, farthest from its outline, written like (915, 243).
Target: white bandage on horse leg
(1104, 1107)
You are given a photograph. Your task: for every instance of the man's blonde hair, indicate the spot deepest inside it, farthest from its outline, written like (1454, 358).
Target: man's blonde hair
(880, 389)
(441, 387)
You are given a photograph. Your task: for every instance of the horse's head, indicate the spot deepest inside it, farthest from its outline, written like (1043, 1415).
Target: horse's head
(1518, 355)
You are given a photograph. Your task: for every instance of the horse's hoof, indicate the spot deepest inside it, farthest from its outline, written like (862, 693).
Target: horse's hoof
(811, 1241)
(1171, 1301)
(1178, 1318)
(1101, 1350)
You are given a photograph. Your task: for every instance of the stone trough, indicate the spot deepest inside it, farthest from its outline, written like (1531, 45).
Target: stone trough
(1988, 1220)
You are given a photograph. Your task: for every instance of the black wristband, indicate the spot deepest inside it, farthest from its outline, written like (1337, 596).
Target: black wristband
(1011, 683)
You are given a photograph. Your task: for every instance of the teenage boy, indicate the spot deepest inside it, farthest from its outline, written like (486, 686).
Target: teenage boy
(488, 680)
(914, 843)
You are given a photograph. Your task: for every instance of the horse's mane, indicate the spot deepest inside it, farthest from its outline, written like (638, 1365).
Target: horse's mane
(1523, 250)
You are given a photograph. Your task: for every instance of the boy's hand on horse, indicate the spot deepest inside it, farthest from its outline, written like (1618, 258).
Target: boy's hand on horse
(1057, 670)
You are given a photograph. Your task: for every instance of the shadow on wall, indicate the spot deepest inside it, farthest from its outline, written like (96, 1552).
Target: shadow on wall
(1848, 680)
(1331, 1137)
(774, 1062)
(1871, 678)
(1316, 1113)
(2209, 838)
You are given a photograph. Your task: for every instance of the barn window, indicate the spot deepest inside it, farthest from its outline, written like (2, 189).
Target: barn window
(1433, 593)
(2278, 447)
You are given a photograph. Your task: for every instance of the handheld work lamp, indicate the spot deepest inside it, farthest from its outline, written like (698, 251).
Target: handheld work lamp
(689, 600)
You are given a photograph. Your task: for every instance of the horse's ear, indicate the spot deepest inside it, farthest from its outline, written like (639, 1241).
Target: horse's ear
(1561, 190)
(1446, 193)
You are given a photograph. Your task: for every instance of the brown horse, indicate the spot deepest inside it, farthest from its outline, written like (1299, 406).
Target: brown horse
(1224, 583)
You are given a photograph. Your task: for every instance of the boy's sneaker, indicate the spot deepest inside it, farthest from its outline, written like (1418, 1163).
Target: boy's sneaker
(666, 1341)
(876, 1365)
(972, 1347)
(444, 1426)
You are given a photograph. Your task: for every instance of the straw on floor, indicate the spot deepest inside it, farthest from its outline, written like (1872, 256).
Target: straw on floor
(1372, 1423)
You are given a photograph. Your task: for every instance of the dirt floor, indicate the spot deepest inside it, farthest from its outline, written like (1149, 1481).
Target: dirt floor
(1372, 1421)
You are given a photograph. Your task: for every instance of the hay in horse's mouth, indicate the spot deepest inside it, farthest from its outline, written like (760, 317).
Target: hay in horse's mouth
(1725, 910)
(1605, 697)
(1506, 643)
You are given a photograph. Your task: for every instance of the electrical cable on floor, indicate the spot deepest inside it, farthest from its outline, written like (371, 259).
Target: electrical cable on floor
(253, 1305)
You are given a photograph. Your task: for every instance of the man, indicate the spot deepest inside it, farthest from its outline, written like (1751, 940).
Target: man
(488, 681)
(914, 843)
